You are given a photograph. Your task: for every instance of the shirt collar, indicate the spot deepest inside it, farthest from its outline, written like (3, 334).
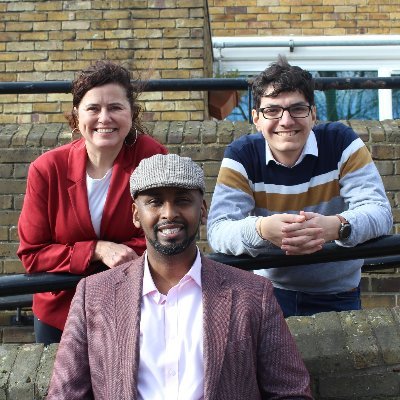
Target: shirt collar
(194, 273)
(310, 148)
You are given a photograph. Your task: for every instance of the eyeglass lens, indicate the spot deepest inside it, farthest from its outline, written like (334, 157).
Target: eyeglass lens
(294, 111)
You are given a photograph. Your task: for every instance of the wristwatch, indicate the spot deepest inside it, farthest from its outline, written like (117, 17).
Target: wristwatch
(344, 229)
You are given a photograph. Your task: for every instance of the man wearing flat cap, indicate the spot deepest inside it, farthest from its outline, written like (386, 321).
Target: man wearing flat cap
(174, 324)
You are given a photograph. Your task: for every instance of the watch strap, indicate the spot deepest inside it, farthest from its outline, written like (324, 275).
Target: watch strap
(344, 229)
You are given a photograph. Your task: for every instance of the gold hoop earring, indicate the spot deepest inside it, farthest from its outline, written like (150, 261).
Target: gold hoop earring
(133, 143)
(75, 133)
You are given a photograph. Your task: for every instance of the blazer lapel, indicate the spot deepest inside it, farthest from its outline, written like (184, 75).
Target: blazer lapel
(77, 189)
(128, 295)
(217, 304)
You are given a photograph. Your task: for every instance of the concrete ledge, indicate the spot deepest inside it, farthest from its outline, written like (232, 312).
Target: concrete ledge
(350, 355)
(25, 371)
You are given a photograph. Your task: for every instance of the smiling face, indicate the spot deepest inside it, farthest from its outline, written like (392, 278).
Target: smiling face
(105, 117)
(286, 136)
(170, 218)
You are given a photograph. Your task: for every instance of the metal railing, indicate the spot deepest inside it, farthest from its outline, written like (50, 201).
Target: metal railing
(203, 84)
(380, 253)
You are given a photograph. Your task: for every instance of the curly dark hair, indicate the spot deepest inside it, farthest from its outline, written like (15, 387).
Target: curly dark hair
(283, 77)
(101, 73)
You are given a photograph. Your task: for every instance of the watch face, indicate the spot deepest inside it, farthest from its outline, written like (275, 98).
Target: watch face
(345, 231)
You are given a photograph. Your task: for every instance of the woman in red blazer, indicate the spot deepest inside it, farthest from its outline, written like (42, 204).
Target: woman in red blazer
(77, 211)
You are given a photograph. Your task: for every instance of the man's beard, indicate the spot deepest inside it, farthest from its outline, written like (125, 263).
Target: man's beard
(171, 249)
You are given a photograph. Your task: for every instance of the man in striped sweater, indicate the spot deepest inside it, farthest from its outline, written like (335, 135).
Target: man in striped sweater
(296, 185)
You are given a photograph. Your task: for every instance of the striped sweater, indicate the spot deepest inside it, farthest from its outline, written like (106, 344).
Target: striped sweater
(335, 175)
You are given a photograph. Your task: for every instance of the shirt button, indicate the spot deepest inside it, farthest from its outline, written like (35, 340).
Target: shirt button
(172, 372)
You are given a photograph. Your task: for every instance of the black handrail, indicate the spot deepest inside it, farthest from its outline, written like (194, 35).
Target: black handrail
(386, 248)
(203, 84)
(37, 283)
(9, 302)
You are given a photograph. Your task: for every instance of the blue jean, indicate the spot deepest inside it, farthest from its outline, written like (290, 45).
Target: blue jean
(300, 303)
(46, 334)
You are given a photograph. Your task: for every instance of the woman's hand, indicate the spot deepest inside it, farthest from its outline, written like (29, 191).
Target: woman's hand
(113, 254)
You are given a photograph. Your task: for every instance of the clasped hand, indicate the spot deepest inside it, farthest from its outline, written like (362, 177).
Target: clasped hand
(302, 233)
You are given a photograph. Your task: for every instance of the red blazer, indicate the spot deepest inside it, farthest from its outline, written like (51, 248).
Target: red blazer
(55, 229)
(249, 353)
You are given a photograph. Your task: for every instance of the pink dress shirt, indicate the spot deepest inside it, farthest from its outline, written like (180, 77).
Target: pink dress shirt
(171, 339)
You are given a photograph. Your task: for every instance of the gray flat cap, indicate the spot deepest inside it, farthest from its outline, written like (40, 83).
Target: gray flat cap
(168, 170)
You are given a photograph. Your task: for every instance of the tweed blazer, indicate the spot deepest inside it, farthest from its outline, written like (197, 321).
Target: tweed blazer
(249, 352)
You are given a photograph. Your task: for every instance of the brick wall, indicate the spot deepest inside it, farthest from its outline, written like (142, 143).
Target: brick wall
(51, 40)
(349, 355)
(205, 143)
(303, 17)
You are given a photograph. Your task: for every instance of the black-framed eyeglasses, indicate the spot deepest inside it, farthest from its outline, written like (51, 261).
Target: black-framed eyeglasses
(276, 112)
